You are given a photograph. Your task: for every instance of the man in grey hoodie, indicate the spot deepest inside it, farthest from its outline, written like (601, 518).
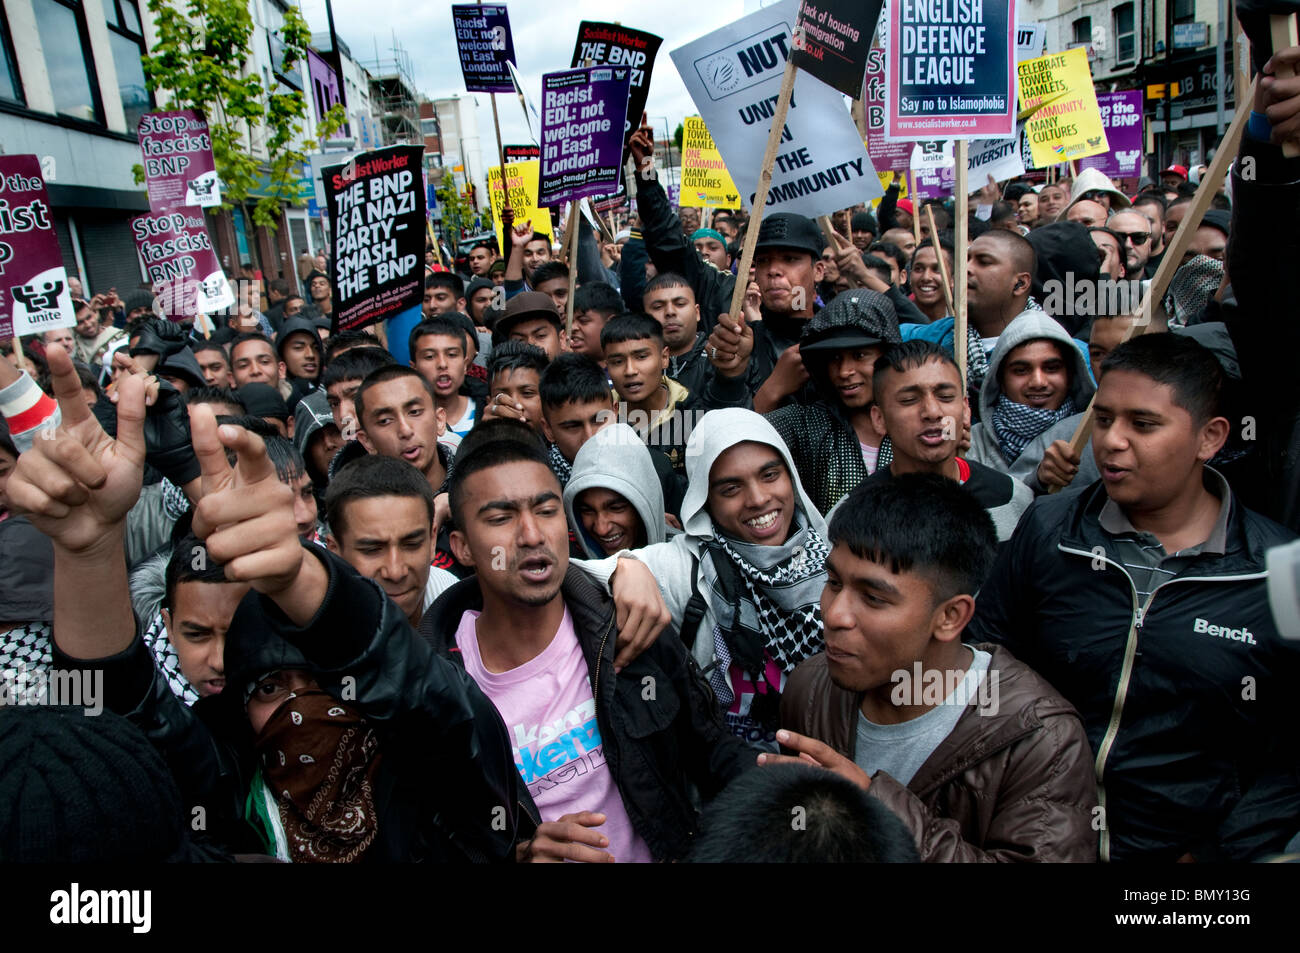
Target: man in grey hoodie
(1035, 392)
(613, 497)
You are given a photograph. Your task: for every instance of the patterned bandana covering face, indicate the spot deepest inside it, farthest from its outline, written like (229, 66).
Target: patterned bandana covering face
(319, 760)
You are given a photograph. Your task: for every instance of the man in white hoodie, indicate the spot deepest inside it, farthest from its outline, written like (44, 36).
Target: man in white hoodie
(743, 582)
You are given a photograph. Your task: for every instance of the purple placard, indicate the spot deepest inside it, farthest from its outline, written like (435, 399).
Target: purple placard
(933, 183)
(181, 263)
(324, 87)
(178, 166)
(34, 294)
(485, 45)
(582, 133)
(1121, 117)
(894, 156)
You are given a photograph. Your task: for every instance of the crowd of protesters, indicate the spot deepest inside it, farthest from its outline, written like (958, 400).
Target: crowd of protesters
(673, 584)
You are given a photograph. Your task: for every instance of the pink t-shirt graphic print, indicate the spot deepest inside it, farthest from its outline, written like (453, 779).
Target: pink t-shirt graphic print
(550, 715)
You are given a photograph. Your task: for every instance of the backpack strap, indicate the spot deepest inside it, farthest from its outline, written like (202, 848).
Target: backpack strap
(695, 609)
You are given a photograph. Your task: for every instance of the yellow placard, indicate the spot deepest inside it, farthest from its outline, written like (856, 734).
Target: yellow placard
(522, 177)
(886, 180)
(1060, 103)
(705, 180)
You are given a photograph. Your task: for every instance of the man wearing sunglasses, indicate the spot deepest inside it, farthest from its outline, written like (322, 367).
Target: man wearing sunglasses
(1134, 233)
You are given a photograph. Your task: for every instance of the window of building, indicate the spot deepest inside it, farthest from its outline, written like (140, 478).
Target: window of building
(1184, 11)
(11, 89)
(1083, 30)
(71, 69)
(126, 39)
(1125, 35)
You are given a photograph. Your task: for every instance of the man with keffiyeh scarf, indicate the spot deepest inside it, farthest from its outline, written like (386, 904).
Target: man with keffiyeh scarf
(1037, 387)
(743, 583)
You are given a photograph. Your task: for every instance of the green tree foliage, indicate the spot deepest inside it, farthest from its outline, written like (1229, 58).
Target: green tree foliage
(678, 134)
(456, 209)
(202, 61)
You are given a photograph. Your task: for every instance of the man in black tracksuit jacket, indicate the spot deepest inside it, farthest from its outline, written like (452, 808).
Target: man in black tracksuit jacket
(1186, 698)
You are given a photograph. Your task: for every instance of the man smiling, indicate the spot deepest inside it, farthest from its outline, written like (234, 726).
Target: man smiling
(1037, 387)
(742, 583)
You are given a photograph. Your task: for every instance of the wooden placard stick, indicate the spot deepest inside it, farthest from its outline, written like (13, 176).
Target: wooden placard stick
(501, 152)
(571, 242)
(943, 266)
(1283, 28)
(204, 325)
(1173, 257)
(828, 229)
(916, 218)
(764, 184)
(859, 113)
(960, 221)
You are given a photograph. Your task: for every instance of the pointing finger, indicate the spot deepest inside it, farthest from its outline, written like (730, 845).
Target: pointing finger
(67, 386)
(213, 465)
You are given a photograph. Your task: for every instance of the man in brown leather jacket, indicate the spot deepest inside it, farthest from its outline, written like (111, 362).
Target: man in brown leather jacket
(978, 755)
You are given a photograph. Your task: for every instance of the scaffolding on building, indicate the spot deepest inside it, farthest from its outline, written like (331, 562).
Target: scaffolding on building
(393, 97)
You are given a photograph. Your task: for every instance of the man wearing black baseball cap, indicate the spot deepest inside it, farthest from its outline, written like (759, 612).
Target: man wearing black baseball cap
(531, 317)
(833, 441)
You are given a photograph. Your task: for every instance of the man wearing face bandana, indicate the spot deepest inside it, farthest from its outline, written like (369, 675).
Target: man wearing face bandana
(338, 736)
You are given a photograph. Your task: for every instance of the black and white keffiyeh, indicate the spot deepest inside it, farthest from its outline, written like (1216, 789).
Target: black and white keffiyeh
(1016, 424)
(776, 609)
(562, 468)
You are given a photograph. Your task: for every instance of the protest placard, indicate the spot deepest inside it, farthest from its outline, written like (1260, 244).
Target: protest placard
(517, 152)
(999, 158)
(181, 263)
(485, 45)
(34, 294)
(582, 133)
(933, 183)
(705, 180)
(885, 155)
(832, 38)
(1059, 104)
(521, 177)
(951, 68)
(179, 170)
(1031, 40)
(734, 77)
(1121, 117)
(609, 44)
(376, 209)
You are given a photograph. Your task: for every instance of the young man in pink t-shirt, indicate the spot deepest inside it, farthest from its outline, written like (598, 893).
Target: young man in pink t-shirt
(606, 755)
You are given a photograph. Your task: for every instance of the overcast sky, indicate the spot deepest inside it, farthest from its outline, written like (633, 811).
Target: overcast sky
(544, 33)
